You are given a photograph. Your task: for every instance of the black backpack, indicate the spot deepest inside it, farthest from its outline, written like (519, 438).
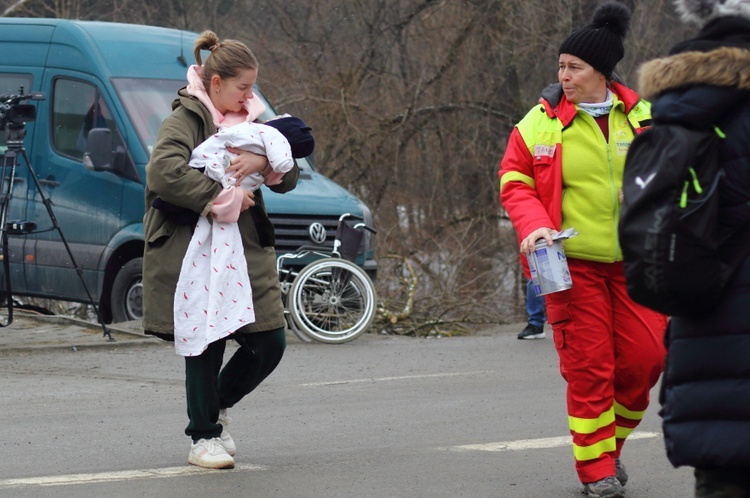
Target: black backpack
(669, 227)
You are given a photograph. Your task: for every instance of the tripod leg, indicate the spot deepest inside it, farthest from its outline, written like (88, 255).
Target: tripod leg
(6, 270)
(10, 160)
(48, 204)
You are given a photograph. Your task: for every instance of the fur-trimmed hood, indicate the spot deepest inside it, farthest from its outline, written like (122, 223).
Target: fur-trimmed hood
(705, 82)
(726, 66)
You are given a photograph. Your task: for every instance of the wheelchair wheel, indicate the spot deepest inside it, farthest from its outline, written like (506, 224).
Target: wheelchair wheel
(332, 300)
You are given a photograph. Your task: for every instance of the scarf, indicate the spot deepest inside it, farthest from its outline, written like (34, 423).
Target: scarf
(598, 109)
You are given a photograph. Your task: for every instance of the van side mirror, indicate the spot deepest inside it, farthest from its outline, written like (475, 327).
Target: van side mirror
(99, 155)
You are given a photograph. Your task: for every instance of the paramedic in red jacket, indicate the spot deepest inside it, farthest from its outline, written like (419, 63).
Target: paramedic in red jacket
(563, 168)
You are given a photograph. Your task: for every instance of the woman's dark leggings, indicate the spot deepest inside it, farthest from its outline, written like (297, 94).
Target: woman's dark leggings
(211, 388)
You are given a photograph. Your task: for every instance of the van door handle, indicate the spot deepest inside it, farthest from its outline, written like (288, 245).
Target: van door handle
(49, 182)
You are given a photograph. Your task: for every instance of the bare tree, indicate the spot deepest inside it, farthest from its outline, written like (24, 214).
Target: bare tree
(411, 103)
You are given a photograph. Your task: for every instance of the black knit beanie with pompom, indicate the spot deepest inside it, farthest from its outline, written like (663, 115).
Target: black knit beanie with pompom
(600, 44)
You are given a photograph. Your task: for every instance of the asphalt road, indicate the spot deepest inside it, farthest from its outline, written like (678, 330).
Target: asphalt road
(475, 416)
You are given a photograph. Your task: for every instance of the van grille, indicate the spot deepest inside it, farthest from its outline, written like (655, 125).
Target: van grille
(293, 231)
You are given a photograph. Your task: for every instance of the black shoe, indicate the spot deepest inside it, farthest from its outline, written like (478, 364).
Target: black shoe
(532, 332)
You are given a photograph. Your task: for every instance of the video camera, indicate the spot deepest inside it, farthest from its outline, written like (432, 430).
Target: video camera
(12, 112)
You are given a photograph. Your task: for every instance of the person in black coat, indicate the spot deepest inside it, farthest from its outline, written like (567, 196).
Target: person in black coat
(705, 393)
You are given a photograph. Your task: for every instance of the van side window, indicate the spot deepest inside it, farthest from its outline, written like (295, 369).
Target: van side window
(77, 108)
(11, 84)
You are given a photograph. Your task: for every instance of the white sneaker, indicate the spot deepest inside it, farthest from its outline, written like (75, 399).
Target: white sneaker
(226, 439)
(210, 453)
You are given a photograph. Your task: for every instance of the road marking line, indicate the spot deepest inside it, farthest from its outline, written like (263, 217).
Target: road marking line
(387, 379)
(117, 476)
(65, 480)
(532, 444)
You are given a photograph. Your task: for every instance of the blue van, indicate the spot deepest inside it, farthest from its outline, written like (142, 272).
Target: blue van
(122, 77)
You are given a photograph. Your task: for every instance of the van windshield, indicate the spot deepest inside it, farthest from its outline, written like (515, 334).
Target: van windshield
(149, 101)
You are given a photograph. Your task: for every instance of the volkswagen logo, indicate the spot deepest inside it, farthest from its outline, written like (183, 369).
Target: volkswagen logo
(317, 233)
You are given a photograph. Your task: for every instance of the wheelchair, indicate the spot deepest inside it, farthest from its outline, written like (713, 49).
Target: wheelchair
(331, 299)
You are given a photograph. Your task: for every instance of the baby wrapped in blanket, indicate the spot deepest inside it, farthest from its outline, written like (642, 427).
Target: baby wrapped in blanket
(213, 297)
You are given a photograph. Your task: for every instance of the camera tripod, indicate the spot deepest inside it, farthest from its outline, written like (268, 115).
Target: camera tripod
(15, 133)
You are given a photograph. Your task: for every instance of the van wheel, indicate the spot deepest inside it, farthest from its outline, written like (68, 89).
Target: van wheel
(127, 292)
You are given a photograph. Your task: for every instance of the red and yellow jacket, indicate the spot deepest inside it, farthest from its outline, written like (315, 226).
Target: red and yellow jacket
(560, 171)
